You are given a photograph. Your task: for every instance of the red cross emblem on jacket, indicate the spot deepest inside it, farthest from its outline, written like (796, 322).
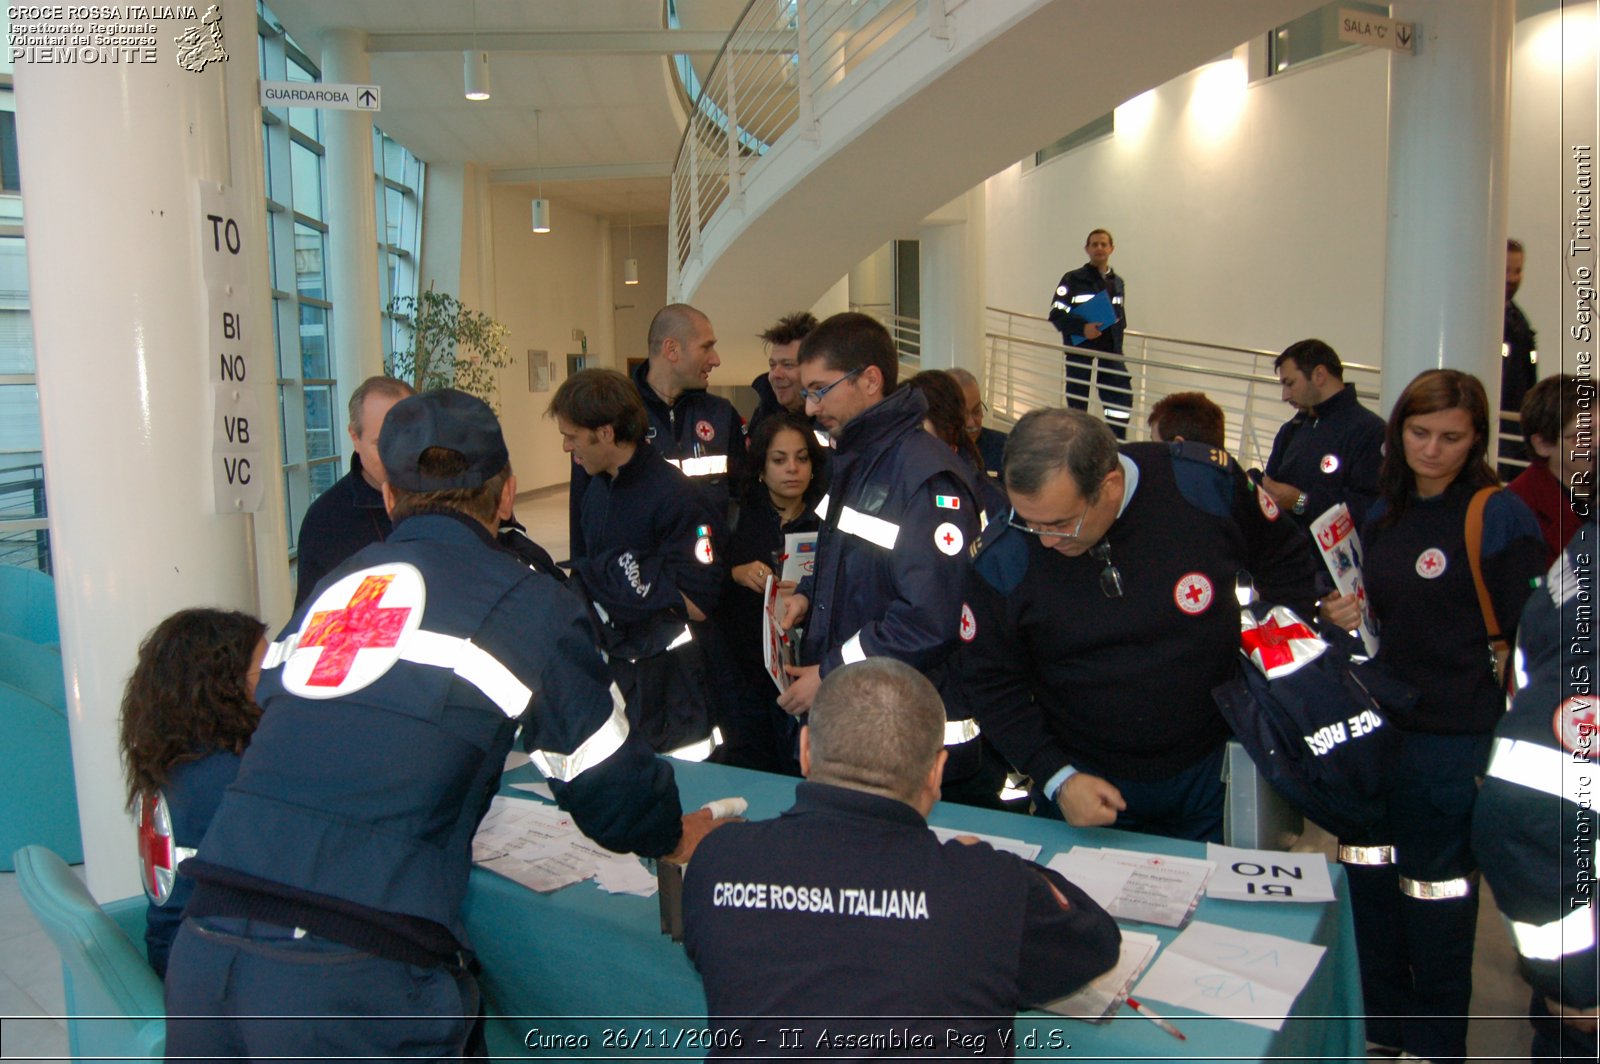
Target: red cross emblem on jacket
(352, 634)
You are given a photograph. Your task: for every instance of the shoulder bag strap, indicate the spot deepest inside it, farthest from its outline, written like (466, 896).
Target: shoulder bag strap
(1475, 508)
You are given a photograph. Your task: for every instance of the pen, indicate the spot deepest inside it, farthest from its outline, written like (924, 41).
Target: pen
(1150, 1014)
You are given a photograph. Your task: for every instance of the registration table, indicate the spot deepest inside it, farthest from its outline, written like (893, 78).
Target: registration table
(582, 973)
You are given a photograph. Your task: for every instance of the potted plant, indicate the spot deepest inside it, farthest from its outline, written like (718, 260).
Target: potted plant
(452, 346)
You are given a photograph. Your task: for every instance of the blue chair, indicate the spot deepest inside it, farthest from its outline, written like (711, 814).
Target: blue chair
(39, 803)
(28, 604)
(114, 1000)
(34, 668)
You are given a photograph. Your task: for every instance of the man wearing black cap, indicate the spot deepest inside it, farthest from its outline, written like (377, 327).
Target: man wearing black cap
(329, 888)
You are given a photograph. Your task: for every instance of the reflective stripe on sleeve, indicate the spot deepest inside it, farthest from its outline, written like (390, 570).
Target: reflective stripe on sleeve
(1083, 298)
(471, 663)
(1561, 580)
(606, 740)
(1539, 768)
(957, 732)
(697, 751)
(1371, 856)
(710, 465)
(1573, 933)
(278, 653)
(822, 508)
(1435, 890)
(684, 637)
(851, 651)
(865, 526)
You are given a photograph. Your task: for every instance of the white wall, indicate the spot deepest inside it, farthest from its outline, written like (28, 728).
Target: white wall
(1255, 215)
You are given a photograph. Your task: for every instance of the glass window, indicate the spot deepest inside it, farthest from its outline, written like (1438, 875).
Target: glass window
(320, 441)
(305, 119)
(314, 342)
(1313, 35)
(306, 166)
(309, 245)
(10, 176)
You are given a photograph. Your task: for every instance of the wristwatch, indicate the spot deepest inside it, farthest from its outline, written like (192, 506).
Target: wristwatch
(1300, 504)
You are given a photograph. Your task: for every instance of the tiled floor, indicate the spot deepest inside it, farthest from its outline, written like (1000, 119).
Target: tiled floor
(30, 975)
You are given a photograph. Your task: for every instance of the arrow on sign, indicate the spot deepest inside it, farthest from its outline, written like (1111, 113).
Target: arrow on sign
(1402, 33)
(367, 98)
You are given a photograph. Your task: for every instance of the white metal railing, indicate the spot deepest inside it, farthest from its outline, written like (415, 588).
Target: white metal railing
(1023, 369)
(907, 332)
(781, 57)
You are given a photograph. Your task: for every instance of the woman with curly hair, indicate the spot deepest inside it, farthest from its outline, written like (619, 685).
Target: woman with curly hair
(187, 714)
(947, 419)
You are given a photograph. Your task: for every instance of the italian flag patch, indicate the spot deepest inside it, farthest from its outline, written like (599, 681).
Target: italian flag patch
(947, 502)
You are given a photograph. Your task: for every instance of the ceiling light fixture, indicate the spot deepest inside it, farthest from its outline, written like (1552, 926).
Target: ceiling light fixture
(475, 64)
(630, 265)
(541, 206)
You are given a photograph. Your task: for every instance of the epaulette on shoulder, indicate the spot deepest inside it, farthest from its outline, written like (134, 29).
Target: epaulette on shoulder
(1204, 453)
(1000, 556)
(1204, 474)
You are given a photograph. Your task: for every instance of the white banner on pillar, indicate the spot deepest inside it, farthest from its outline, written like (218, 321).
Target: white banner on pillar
(236, 455)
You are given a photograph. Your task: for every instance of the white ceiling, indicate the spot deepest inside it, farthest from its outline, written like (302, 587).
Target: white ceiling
(610, 114)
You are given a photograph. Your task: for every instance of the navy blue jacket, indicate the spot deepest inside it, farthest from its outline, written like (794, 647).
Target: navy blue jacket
(1430, 628)
(388, 707)
(892, 552)
(1063, 675)
(1534, 826)
(348, 516)
(1079, 286)
(1332, 453)
(644, 537)
(846, 917)
(193, 793)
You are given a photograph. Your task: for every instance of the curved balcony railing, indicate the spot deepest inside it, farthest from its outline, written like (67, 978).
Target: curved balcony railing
(781, 57)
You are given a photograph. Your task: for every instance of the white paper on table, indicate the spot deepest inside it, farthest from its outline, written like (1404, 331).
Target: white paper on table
(1101, 880)
(1097, 1000)
(1223, 971)
(546, 873)
(1025, 850)
(623, 874)
(1160, 889)
(1268, 875)
(540, 789)
(799, 555)
(1340, 546)
(513, 824)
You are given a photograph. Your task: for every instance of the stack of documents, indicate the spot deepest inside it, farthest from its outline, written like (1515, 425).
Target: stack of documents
(540, 847)
(1099, 1000)
(1150, 887)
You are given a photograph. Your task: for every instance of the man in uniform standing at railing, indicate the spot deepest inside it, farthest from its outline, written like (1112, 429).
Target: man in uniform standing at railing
(1066, 313)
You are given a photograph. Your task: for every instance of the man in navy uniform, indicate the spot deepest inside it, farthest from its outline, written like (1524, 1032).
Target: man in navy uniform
(350, 514)
(1534, 826)
(326, 919)
(892, 551)
(845, 924)
(700, 433)
(991, 443)
(1330, 451)
(778, 389)
(1075, 288)
(1105, 614)
(644, 555)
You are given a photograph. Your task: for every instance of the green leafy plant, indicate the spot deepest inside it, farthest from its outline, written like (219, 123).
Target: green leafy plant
(452, 346)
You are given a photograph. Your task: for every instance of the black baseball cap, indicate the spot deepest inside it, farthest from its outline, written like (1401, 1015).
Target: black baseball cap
(448, 419)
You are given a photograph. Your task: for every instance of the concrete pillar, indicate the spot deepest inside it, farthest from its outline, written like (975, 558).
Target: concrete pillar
(355, 328)
(952, 279)
(122, 163)
(1449, 135)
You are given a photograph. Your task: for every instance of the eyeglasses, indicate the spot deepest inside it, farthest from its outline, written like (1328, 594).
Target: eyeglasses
(1110, 576)
(1057, 531)
(816, 396)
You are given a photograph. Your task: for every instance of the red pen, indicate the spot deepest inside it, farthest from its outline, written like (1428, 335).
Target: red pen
(1154, 1017)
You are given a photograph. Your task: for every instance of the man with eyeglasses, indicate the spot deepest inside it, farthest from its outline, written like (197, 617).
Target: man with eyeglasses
(1105, 614)
(892, 554)
(991, 444)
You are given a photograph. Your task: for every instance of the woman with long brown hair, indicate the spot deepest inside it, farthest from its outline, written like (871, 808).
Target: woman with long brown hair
(187, 715)
(1412, 878)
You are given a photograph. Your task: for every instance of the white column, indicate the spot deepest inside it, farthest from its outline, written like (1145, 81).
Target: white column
(120, 259)
(1449, 133)
(355, 330)
(952, 278)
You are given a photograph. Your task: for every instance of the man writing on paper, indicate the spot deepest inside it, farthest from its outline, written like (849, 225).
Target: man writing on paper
(1105, 613)
(848, 906)
(330, 883)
